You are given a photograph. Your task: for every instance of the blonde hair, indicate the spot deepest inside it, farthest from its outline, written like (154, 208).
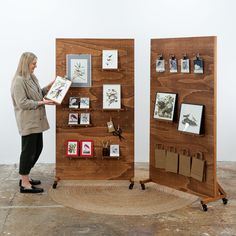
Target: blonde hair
(23, 66)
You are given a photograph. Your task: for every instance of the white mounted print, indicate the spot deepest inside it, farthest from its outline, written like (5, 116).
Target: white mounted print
(160, 65)
(73, 118)
(184, 65)
(110, 59)
(84, 102)
(85, 118)
(78, 68)
(114, 150)
(111, 96)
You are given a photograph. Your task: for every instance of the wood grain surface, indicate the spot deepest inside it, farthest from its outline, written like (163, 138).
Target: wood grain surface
(190, 88)
(97, 168)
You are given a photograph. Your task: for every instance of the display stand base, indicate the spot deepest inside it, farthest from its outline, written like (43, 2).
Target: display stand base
(204, 200)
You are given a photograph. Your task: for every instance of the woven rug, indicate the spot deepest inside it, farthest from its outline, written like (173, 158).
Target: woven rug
(115, 198)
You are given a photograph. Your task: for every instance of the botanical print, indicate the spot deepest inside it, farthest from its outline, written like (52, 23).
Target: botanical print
(164, 106)
(84, 102)
(59, 89)
(73, 118)
(111, 96)
(184, 65)
(160, 65)
(84, 118)
(114, 150)
(78, 67)
(190, 118)
(72, 148)
(109, 59)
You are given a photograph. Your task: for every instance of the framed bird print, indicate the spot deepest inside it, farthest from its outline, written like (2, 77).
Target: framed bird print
(110, 59)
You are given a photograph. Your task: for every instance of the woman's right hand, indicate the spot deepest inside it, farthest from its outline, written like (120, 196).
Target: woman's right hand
(46, 102)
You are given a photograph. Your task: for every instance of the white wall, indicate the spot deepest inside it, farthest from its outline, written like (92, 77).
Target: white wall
(34, 25)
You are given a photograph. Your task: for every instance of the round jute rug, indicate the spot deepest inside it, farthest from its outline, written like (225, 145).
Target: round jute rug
(114, 197)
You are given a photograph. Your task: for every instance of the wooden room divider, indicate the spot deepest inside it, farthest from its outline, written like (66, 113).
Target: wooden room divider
(97, 167)
(190, 87)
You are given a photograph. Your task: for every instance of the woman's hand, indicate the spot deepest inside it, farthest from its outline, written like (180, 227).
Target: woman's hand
(46, 102)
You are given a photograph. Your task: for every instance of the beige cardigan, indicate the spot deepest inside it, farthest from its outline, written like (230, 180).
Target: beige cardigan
(30, 117)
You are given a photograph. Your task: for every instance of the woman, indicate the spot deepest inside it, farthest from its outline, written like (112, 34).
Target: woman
(29, 107)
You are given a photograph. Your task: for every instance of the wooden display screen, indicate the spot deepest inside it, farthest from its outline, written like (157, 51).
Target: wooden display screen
(93, 130)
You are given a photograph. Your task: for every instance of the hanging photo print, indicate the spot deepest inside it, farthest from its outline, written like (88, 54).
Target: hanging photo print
(110, 59)
(190, 118)
(165, 106)
(160, 64)
(111, 96)
(78, 67)
(173, 64)
(198, 65)
(184, 65)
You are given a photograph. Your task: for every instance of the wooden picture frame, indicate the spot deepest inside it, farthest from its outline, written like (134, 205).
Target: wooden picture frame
(86, 148)
(72, 148)
(78, 69)
(164, 108)
(111, 96)
(58, 89)
(110, 59)
(190, 118)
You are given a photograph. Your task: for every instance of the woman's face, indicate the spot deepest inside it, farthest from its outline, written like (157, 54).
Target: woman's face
(32, 66)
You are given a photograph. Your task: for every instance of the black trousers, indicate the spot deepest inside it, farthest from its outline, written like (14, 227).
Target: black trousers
(31, 148)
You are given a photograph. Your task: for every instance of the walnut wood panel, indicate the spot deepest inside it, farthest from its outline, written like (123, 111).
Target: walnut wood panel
(190, 88)
(97, 168)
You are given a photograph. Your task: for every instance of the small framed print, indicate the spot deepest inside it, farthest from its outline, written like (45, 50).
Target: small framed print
(114, 150)
(72, 148)
(190, 118)
(74, 102)
(73, 118)
(173, 65)
(58, 90)
(165, 106)
(184, 65)
(84, 102)
(85, 118)
(160, 65)
(198, 66)
(86, 148)
(78, 69)
(111, 96)
(110, 59)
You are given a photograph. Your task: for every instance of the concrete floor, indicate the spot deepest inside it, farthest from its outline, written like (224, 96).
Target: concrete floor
(28, 214)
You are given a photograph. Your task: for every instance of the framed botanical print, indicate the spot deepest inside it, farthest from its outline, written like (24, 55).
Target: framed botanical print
(58, 90)
(165, 106)
(114, 150)
(190, 118)
(78, 68)
(74, 102)
(111, 96)
(86, 148)
(84, 102)
(85, 118)
(72, 148)
(184, 65)
(73, 118)
(110, 59)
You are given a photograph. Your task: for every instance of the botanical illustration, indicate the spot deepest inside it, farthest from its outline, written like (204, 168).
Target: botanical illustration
(84, 102)
(79, 70)
(109, 59)
(84, 118)
(114, 150)
(111, 96)
(164, 106)
(72, 148)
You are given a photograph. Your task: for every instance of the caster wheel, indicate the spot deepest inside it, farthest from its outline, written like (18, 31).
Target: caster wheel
(204, 207)
(225, 201)
(143, 186)
(54, 185)
(131, 186)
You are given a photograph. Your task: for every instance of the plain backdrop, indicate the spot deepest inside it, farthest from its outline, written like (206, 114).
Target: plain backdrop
(34, 25)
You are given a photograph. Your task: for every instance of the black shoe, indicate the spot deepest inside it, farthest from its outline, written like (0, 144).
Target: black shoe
(31, 190)
(32, 182)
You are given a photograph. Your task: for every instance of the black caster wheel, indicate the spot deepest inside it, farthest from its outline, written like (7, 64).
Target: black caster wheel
(131, 186)
(225, 201)
(143, 186)
(204, 207)
(54, 185)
